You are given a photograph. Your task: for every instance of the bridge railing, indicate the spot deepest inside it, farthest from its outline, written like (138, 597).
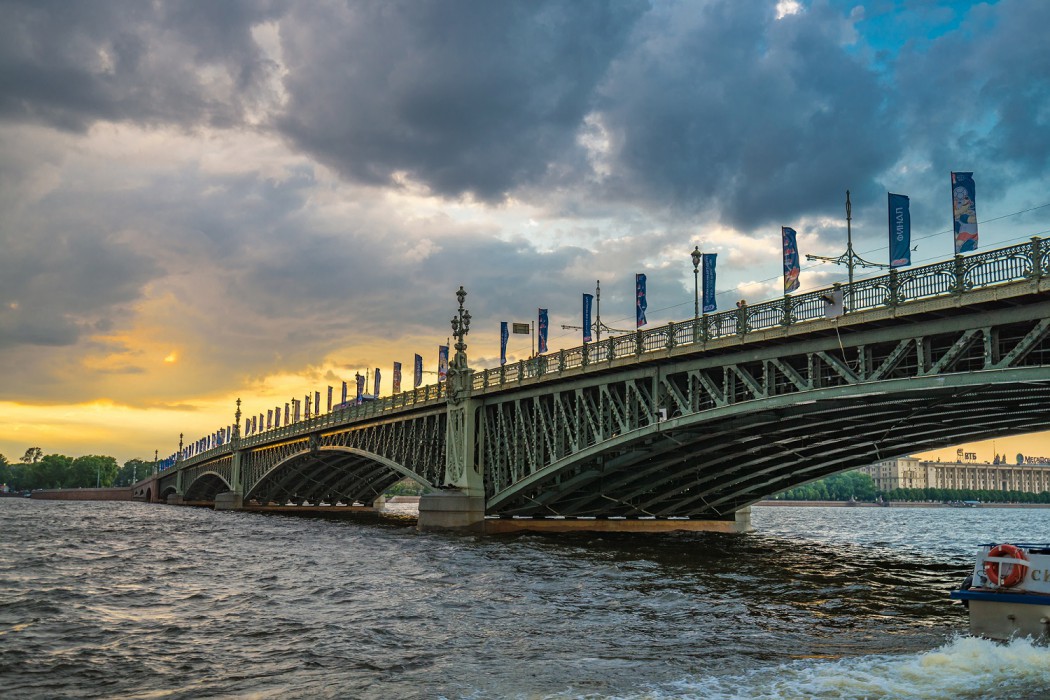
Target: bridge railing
(1027, 261)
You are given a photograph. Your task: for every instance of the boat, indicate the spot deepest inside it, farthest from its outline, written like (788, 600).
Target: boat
(1008, 592)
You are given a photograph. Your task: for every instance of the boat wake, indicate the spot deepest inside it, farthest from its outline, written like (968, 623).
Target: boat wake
(965, 667)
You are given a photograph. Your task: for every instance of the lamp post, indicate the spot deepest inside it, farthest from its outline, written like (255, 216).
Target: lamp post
(850, 259)
(697, 257)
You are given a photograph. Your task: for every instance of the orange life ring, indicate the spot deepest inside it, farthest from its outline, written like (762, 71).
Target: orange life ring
(1006, 573)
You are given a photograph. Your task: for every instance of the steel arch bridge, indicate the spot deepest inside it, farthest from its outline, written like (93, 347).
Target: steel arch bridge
(692, 420)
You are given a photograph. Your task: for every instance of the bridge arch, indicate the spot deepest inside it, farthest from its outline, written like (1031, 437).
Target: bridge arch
(206, 486)
(716, 461)
(329, 474)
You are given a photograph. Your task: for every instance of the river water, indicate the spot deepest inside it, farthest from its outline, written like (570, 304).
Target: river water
(127, 600)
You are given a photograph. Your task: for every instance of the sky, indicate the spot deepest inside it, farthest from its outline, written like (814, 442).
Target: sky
(203, 201)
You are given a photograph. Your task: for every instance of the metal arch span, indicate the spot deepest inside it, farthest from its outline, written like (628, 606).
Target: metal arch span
(704, 436)
(710, 464)
(205, 486)
(332, 475)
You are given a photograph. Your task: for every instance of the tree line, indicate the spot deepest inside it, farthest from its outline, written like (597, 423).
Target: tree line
(861, 487)
(35, 470)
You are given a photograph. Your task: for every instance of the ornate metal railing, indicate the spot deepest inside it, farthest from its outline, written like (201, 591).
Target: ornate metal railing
(1028, 261)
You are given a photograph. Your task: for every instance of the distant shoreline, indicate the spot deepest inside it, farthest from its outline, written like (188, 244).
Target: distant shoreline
(894, 504)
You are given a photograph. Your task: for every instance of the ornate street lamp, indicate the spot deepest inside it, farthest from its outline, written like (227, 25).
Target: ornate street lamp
(850, 259)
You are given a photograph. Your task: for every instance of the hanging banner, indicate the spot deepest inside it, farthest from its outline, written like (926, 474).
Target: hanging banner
(640, 304)
(791, 262)
(442, 362)
(709, 282)
(900, 229)
(588, 299)
(329, 399)
(295, 402)
(964, 209)
(343, 400)
(503, 337)
(397, 378)
(360, 385)
(541, 323)
(417, 371)
(376, 392)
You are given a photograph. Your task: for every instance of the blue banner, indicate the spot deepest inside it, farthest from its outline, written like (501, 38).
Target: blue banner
(588, 299)
(791, 262)
(640, 303)
(397, 378)
(343, 400)
(709, 282)
(360, 385)
(542, 325)
(376, 392)
(504, 335)
(442, 362)
(417, 371)
(964, 209)
(900, 229)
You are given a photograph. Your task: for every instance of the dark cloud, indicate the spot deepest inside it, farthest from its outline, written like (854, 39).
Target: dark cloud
(980, 95)
(724, 107)
(464, 96)
(69, 64)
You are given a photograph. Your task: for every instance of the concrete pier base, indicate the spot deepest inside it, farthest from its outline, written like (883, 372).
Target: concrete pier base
(229, 500)
(444, 510)
(740, 523)
(174, 499)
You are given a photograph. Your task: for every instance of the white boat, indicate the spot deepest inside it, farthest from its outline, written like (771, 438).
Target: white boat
(1008, 593)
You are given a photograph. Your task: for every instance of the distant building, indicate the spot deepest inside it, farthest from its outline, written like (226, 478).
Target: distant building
(912, 473)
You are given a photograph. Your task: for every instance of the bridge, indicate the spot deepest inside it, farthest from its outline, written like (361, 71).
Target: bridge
(677, 427)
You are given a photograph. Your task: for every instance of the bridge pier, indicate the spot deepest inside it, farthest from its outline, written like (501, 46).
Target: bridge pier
(229, 500)
(451, 509)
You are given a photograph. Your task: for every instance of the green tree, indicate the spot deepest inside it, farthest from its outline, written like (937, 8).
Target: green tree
(32, 455)
(50, 472)
(133, 471)
(91, 470)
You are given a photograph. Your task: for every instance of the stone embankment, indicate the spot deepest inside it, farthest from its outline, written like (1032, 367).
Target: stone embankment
(122, 493)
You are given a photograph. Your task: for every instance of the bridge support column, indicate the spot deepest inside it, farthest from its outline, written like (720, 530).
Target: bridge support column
(461, 503)
(451, 509)
(228, 500)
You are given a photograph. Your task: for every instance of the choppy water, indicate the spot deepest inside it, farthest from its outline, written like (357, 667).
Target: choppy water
(127, 600)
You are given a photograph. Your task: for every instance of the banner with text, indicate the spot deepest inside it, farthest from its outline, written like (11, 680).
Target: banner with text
(397, 378)
(900, 229)
(709, 282)
(588, 300)
(417, 371)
